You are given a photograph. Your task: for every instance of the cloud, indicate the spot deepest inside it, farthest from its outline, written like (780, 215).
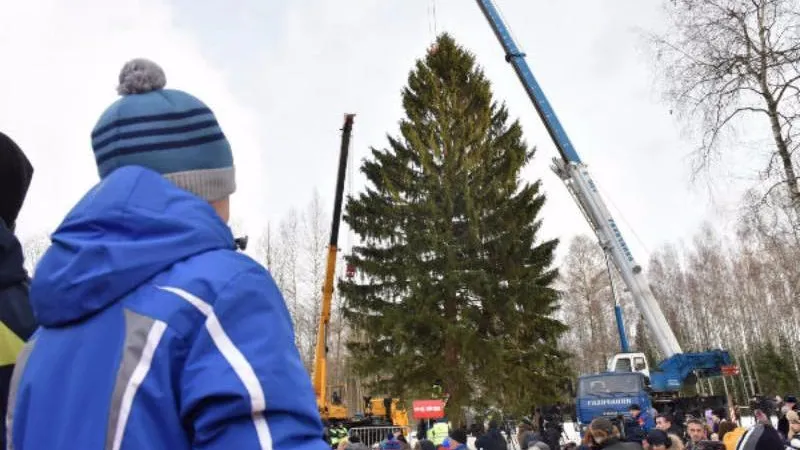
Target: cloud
(66, 57)
(281, 74)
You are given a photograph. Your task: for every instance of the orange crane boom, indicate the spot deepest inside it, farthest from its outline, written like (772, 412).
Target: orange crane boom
(320, 374)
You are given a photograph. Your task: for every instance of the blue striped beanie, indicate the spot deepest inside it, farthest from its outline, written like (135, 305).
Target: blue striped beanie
(165, 130)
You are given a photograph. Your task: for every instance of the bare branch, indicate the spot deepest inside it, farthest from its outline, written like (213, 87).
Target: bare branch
(723, 58)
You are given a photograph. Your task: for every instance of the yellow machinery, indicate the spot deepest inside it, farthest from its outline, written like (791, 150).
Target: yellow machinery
(376, 407)
(327, 409)
(334, 410)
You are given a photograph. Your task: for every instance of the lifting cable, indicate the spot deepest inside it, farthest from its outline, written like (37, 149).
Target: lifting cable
(624, 220)
(432, 25)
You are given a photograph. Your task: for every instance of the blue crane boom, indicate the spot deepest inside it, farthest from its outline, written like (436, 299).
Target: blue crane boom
(535, 93)
(678, 367)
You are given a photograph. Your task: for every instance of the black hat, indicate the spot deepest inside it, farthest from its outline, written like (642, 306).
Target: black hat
(790, 399)
(634, 407)
(658, 437)
(459, 436)
(15, 178)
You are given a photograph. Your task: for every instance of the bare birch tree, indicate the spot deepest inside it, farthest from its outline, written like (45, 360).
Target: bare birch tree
(316, 234)
(33, 249)
(587, 305)
(267, 250)
(731, 65)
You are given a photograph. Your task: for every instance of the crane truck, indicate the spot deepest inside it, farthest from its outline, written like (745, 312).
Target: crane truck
(378, 411)
(629, 378)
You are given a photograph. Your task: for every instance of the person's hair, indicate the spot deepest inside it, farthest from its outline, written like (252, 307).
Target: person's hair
(599, 436)
(793, 418)
(694, 421)
(675, 442)
(665, 416)
(725, 427)
(588, 440)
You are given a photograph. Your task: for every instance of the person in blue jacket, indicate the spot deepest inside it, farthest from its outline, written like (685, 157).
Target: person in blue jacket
(638, 424)
(155, 332)
(17, 323)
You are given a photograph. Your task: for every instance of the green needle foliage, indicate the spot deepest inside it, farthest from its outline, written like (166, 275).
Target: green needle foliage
(452, 283)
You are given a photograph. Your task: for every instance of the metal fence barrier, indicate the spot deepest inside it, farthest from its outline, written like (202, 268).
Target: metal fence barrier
(371, 436)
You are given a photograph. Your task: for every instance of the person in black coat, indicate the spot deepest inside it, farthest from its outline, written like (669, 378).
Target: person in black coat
(17, 322)
(492, 440)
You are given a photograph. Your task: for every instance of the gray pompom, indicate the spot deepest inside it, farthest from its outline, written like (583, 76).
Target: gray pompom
(140, 76)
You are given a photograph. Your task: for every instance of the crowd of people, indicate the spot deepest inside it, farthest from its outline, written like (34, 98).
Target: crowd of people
(716, 430)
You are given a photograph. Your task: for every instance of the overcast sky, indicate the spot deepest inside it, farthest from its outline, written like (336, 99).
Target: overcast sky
(280, 74)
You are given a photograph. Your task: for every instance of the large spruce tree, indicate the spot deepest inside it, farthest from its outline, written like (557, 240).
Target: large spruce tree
(452, 283)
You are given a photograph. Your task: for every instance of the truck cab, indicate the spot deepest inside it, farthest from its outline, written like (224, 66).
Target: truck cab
(609, 395)
(629, 362)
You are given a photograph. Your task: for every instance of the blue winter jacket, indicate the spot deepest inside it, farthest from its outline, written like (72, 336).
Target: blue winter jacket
(156, 334)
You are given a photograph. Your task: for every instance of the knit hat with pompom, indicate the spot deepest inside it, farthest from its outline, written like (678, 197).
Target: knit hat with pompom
(165, 130)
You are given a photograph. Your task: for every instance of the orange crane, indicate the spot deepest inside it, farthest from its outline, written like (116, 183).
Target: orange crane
(376, 411)
(330, 410)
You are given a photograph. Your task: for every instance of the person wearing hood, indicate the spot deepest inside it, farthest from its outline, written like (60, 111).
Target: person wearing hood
(492, 439)
(155, 332)
(17, 322)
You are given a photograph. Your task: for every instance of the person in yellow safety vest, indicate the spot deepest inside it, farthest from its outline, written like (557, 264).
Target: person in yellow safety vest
(439, 432)
(338, 434)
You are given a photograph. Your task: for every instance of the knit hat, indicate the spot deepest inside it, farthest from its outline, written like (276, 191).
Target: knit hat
(459, 436)
(658, 437)
(16, 173)
(165, 130)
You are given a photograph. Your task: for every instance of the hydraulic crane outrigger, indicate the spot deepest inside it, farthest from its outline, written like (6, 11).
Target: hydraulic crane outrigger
(677, 368)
